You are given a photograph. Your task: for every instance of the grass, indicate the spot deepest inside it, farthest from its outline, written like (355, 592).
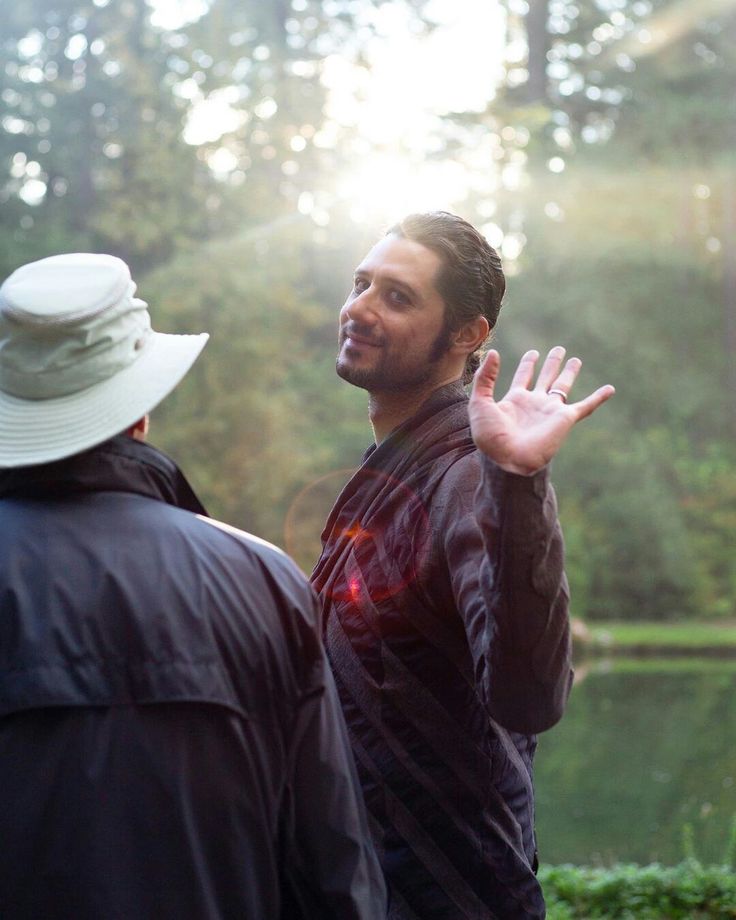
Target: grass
(689, 637)
(628, 663)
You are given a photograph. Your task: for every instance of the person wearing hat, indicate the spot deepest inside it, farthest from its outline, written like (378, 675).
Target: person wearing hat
(171, 743)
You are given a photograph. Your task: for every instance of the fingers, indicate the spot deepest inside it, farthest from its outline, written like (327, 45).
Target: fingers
(587, 406)
(550, 368)
(524, 373)
(566, 378)
(486, 376)
(551, 378)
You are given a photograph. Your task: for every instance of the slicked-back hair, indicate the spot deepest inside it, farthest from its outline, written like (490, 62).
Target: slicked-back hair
(471, 280)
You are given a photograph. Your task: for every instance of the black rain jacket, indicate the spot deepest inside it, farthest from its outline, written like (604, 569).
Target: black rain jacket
(171, 744)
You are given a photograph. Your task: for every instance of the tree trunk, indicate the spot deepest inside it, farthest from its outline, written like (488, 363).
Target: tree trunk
(729, 295)
(538, 41)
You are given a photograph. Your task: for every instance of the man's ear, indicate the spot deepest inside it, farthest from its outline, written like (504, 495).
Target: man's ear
(139, 431)
(471, 335)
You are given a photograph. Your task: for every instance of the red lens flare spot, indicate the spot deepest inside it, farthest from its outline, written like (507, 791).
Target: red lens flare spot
(355, 545)
(357, 533)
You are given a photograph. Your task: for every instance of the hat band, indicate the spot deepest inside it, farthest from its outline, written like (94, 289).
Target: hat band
(34, 366)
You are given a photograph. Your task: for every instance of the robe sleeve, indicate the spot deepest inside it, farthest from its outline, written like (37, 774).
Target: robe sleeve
(504, 554)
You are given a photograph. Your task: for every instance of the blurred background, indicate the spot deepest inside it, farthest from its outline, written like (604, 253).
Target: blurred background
(242, 155)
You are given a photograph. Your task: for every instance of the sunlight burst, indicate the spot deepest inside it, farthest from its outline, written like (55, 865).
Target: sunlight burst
(394, 110)
(388, 115)
(387, 186)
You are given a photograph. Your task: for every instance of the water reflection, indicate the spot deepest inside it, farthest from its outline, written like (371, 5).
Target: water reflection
(647, 747)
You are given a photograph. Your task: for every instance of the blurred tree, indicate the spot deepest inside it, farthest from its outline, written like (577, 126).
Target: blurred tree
(260, 415)
(262, 70)
(648, 322)
(251, 72)
(658, 71)
(139, 134)
(615, 219)
(91, 144)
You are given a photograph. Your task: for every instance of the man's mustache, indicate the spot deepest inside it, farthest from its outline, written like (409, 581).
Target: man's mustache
(360, 333)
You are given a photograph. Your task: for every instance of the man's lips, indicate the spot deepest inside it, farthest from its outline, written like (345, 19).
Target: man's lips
(351, 338)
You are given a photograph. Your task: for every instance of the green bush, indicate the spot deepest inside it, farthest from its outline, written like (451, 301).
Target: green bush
(626, 892)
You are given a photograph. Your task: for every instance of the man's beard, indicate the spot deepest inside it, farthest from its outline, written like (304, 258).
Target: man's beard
(390, 374)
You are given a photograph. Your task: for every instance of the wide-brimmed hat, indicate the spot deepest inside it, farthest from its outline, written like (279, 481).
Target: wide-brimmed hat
(79, 362)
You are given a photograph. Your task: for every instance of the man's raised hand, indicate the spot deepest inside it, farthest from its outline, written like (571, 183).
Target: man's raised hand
(525, 429)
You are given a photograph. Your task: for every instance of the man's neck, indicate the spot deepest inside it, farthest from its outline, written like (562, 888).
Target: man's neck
(389, 409)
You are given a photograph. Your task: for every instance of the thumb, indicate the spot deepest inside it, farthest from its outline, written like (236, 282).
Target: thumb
(484, 382)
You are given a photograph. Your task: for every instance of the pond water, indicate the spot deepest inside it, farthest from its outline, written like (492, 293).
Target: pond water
(645, 749)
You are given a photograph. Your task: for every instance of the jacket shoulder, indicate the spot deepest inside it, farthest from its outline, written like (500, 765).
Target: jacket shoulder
(269, 556)
(257, 545)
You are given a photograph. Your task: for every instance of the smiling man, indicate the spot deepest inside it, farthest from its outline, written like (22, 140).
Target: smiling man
(441, 575)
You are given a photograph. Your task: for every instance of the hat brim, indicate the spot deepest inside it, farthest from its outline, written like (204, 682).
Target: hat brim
(34, 431)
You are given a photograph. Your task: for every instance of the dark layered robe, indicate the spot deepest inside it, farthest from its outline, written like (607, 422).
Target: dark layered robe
(446, 621)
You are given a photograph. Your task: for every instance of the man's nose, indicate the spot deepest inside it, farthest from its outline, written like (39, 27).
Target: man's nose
(362, 308)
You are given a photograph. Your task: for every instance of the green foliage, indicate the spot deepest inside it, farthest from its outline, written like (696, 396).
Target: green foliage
(655, 76)
(647, 486)
(627, 892)
(260, 415)
(729, 856)
(264, 58)
(90, 115)
(96, 98)
(628, 260)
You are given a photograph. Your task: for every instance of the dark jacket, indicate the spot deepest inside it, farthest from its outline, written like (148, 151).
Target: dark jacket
(171, 744)
(445, 601)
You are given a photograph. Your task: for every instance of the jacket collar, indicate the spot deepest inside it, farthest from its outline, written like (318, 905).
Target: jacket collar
(121, 464)
(448, 395)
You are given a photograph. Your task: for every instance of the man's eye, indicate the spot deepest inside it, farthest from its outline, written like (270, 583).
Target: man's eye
(359, 285)
(398, 297)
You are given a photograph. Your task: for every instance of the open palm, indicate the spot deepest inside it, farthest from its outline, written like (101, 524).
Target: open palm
(525, 429)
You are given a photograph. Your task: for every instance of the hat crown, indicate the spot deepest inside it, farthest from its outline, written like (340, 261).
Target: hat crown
(66, 323)
(79, 361)
(64, 289)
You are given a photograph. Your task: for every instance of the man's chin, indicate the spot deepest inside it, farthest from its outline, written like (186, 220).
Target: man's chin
(357, 377)
(380, 380)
